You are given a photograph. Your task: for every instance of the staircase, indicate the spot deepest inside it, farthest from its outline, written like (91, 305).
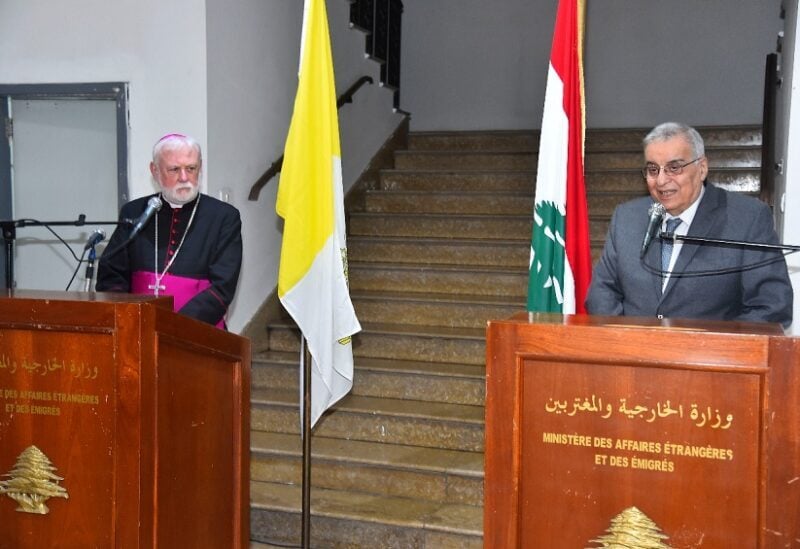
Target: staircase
(440, 247)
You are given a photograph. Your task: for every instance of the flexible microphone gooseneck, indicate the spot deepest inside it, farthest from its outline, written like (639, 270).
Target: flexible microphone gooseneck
(153, 205)
(96, 238)
(656, 213)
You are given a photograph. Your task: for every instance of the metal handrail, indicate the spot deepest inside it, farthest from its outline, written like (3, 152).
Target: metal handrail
(275, 167)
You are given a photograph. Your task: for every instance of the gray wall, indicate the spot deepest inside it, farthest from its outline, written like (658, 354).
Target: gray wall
(471, 64)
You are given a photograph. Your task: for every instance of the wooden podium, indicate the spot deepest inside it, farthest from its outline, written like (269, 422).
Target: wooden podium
(122, 424)
(602, 432)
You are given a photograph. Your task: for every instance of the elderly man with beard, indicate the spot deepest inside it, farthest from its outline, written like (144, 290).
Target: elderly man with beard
(190, 249)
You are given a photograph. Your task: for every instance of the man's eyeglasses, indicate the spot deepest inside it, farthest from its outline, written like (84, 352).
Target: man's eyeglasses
(176, 170)
(651, 171)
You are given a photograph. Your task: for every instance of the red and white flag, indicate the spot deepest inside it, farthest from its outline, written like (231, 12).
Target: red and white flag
(561, 263)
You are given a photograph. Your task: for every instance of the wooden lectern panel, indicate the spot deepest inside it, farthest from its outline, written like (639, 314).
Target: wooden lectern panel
(603, 431)
(58, 392)
(130, 422)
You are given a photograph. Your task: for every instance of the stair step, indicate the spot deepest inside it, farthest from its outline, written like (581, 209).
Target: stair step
(440, 225)
(723, 157)
(467, 160)
(453, 202)
(431, 474)
(604, 203)
(596, 139)
(391, 421)
(342, 519)
(742, 179)
(631, 138)
(402, 342)
(444, 226)
(457, 180)
(429, 309)
(523, 140)
(732, 179)
(442, 250)
(477, 205)
(471, 280)
(727, 156)
(389, 378)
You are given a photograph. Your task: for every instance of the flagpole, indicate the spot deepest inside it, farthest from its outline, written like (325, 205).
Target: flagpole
(306, 512)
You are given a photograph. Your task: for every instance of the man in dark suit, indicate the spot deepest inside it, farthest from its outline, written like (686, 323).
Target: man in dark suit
(696, 280)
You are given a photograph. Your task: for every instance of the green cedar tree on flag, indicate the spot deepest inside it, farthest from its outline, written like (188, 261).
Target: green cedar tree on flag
(560, 264)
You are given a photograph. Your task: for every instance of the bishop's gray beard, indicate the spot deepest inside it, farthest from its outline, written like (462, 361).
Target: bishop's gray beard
(173, 196)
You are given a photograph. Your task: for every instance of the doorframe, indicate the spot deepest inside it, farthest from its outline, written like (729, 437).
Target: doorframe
(110, 91)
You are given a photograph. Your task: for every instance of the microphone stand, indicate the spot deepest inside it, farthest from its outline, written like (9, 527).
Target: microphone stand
(9, 228)
(87, 285)
(726, 242)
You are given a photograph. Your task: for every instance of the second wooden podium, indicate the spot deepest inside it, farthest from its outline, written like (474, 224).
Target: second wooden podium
(621, 432)
(122, 425)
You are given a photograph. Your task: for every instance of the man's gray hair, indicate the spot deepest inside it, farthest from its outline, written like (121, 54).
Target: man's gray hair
(668, 130)
(173, 141)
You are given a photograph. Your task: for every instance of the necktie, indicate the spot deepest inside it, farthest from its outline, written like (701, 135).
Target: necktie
(666, 245)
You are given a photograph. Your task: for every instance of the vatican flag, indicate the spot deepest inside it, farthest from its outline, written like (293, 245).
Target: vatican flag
(312, 279)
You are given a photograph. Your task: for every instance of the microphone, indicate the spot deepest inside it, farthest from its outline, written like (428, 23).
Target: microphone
(96, 238)
(656, 213)
(153, 205)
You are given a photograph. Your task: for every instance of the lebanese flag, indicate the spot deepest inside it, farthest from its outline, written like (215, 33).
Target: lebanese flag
(561, 263)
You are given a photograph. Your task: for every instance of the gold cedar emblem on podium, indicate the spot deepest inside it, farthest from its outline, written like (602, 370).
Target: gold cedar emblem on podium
(32, 482)
(632, 529)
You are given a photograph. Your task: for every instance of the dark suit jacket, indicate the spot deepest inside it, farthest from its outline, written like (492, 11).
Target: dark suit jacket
(212, 251)
(622, 284)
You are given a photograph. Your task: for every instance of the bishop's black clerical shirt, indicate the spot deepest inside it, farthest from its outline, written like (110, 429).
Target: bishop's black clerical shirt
(212, 250)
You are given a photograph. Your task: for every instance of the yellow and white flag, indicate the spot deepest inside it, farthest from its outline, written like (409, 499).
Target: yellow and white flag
(312, 280)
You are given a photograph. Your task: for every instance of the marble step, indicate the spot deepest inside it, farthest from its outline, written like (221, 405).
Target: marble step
(448, 226)
(442, 250)
(390, 421)
(398, 470)
(596, 139)
(733, 179)
(457, 203)
(466, 160)
(732, 156)
(458, 180)
(713, 136)
(472, 203)
(400, 342)
(747, 179)
(426, 309)
(414, 224)
(604, 203)
(432, 309)
(342, 519)
(722, 157)
(387, 378)
(509, 140)
(455, 279)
